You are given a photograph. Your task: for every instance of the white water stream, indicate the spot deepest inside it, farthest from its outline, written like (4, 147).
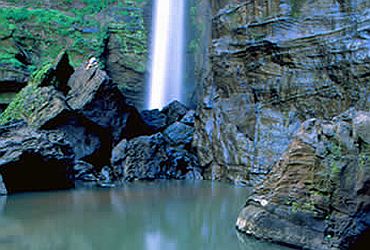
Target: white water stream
(167, 53)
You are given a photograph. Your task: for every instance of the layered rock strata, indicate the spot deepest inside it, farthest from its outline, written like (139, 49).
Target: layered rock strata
(274, 64)
(317, 196)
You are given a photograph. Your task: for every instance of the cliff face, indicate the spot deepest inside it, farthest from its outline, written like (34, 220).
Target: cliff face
(33, 33)
(274, 64)
(284, 108)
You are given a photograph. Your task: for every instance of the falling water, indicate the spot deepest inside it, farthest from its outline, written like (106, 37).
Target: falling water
(167, 53)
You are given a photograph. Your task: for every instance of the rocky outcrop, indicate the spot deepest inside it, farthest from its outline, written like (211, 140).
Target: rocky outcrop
(34, 160)
(113, 32)
(280, 76)
(274, 64)
(317, 196)
(85, 108)
(92, 114)
(167, 154)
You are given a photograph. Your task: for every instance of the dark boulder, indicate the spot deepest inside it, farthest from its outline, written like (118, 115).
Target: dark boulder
(155, 120)
(93, 115)
(35, 160)
(167, 154)
(174, 112)
(94, 95)
(140, 158)
(189, 118)
(89, 141)
(84, 171)
(59, 74)
(182, 163)
(179, 133)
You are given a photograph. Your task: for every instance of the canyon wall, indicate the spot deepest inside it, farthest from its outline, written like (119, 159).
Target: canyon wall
(283, 108)
(272, 65)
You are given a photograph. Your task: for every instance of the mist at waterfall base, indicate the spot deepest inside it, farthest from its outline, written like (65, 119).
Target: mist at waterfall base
(165, 83)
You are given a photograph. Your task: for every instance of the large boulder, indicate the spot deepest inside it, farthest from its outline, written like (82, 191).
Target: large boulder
(93, 94)
(166, 154)
(34, 160)
(140, 158)
(86, 106)
(158, 120)
(317, 195)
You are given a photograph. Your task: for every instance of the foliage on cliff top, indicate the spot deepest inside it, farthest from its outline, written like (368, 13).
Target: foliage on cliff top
(41, 29)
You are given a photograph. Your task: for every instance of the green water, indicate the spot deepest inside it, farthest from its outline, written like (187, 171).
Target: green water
(150, 216)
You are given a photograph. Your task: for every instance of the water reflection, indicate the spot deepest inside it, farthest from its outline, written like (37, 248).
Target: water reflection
(150, 216)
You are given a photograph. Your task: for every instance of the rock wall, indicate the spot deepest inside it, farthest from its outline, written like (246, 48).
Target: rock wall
(274, 64)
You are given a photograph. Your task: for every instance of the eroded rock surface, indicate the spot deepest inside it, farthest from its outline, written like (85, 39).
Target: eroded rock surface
(34, 160)
(317, 196)
(88, 112)
(167, 154)
(274, 64)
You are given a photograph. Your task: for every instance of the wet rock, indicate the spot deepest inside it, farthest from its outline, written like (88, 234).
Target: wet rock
(98, 99)
(59, 74)
(179, 133)
(174, 112)
(311, 198)
(89, 141)
(182, 164)
(155, 120)
(3, 190)
(231, 142)
(189, 118)
(95, 96)
(361, 124)
(93, 114)
(106, 177)
(35, 160)
(166, 154)
(124, 66)
(140, 158)
(158, 120)
(279, 58)
(84, 171)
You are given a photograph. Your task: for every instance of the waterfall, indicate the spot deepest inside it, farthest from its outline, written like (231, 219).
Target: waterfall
(167, 53)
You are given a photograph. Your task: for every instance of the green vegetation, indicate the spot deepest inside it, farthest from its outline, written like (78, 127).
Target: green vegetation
(308, 206)
(80, 26)
(21, 107)
(41, 30)
(47, 31)
(296, 6)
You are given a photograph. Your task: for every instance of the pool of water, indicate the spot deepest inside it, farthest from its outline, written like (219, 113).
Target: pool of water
(150, 216)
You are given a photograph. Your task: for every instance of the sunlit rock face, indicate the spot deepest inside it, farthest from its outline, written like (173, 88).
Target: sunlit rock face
(274, 64)
(317, 196)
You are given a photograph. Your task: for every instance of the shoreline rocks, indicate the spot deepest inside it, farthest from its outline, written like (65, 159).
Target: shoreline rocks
(34, 160)
(317, 196)
(86, 110)
(163, 155)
